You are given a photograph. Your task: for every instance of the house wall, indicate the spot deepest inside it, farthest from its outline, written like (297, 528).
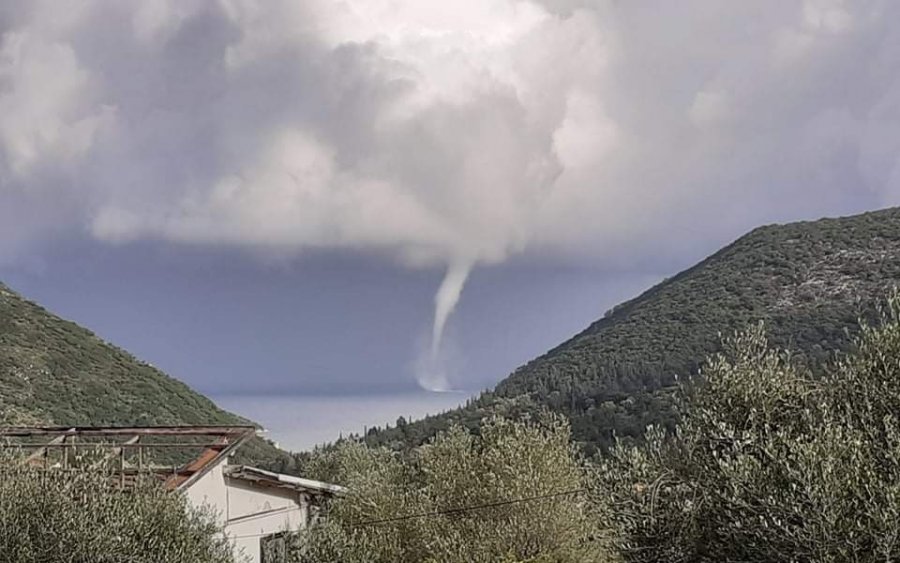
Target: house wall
(211, 492)
(254, 512)
(247, 512)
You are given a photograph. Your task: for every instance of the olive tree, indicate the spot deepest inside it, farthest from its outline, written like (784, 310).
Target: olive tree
(769, 463)
(84, 516)
(511, 493)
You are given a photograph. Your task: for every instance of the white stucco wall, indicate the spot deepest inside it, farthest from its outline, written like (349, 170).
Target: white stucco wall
(255, 511)
(247, 511)
(211, 491)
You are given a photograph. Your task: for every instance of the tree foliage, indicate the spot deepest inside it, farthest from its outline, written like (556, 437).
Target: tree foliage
(83, 516)
(770, 462)
(477, 473)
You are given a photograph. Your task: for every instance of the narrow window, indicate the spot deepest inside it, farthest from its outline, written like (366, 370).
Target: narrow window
(273, 548)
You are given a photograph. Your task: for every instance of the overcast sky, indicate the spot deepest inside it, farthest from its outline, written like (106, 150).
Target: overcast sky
(287, 196)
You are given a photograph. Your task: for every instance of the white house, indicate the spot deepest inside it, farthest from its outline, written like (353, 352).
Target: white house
(254, 507)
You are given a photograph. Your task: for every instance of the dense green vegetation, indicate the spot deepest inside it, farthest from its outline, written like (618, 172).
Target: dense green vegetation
(457, 490)
(770, 462)
(83, 516)
(809, 282)
(54, 372)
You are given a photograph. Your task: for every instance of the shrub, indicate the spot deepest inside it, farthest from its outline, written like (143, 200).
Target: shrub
(507, 461)
(83, 516)
(769, 462)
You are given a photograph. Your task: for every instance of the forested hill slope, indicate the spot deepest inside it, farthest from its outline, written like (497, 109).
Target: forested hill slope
(809, 282)
(54, 372)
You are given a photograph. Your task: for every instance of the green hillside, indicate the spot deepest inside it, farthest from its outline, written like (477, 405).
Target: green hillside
(54, 372)
(809, 282)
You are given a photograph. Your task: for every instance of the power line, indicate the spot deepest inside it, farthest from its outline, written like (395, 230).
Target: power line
(461, 509)
(447, 511)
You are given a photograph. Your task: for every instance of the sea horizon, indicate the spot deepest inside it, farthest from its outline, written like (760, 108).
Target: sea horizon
(302, 422)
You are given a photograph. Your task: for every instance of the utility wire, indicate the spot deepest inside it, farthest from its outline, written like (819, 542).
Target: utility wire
(447, 511)
(467, 508)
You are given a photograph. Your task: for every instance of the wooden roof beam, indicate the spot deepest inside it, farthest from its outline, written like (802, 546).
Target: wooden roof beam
(38, 455)
(116, 451)
(19, 431)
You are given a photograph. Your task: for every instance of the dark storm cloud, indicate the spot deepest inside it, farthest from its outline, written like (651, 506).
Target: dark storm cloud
(489, 129)
(435, 133)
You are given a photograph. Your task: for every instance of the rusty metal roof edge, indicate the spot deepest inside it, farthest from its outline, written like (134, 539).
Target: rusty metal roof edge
(223, 455)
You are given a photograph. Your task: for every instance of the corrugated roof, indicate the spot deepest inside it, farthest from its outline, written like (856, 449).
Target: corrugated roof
(270, 478)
